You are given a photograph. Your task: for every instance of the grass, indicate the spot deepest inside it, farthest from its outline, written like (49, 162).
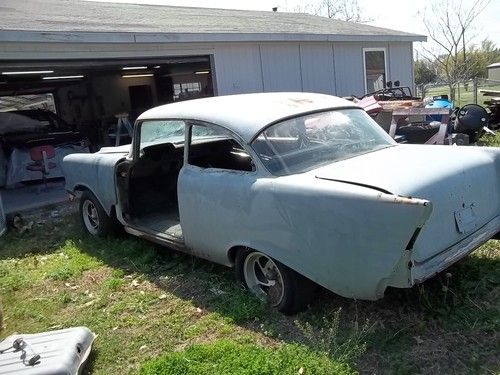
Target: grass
(465, 96)
(490, 140)
(227, 357)
(159, 312)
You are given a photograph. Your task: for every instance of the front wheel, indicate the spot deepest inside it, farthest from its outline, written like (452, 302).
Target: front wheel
(273, 282)
(94, 219)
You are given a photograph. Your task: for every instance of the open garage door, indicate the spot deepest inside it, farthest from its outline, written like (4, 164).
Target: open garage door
(89, 95)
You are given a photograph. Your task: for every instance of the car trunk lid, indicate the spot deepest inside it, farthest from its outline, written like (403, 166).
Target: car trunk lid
(463, 184)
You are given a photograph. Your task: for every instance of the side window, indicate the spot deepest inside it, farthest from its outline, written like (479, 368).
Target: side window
(161, 131)
(215, 147)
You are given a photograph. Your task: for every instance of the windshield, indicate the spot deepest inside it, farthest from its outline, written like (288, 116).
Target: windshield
(307, 142)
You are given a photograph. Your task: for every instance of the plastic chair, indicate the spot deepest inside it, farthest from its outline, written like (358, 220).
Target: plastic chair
(40, 156)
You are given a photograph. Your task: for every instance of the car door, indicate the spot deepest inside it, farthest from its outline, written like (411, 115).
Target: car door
(214, 196)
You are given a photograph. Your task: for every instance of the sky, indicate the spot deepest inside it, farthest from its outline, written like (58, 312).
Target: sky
(402, 15)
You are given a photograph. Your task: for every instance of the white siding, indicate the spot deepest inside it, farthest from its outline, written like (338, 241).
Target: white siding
(317, 67)
(281, 67)
(238, 69)
(349, 68)
(401, 63)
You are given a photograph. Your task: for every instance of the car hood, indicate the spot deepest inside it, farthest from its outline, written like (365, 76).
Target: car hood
(408, 169)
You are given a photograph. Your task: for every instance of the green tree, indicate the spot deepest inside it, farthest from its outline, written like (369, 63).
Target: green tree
(479, 57)
(424, 72)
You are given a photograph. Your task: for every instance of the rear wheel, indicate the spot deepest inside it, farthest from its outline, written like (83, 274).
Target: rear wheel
(94, 219)
(273, 282)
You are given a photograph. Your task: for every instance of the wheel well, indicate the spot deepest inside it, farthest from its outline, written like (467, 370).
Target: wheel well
(82, 188)
(231, 254)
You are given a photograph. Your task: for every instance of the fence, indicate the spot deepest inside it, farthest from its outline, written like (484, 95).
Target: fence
(466, 92)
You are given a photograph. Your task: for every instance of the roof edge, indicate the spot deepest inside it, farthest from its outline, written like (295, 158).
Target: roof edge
(123, 37)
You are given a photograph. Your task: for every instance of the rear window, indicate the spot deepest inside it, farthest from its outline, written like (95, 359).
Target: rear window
(307, 142)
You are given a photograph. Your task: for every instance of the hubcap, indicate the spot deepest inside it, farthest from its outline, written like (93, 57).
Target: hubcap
(263, 278)
(90, 216)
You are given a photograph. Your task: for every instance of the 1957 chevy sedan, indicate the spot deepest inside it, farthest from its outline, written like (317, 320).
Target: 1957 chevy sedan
(293, 190)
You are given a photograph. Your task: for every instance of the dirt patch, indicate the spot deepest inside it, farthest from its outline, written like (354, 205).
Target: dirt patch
(94, 276)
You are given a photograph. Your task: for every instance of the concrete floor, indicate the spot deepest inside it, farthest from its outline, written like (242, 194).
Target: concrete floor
(33, 196)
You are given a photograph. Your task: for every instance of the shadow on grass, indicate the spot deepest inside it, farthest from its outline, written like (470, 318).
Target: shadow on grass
(457, 312)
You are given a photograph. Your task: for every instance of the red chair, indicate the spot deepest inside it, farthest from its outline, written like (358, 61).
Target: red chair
(40, 156)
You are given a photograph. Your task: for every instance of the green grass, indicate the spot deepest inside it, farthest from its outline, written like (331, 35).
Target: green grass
(227, 357)
(465, 96)
(490, 140)
(159, 312)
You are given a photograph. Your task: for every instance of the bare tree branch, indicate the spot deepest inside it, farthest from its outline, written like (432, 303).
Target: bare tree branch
(447, 28)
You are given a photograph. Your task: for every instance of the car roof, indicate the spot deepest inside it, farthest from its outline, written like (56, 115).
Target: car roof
(247, 114)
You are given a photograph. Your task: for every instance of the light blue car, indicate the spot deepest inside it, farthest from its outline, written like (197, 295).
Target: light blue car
(293, 190)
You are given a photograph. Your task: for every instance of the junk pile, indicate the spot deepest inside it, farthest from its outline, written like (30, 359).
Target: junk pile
(409, 119)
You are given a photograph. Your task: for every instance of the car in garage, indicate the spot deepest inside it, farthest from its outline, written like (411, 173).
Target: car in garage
(293, 190)
(35, 127)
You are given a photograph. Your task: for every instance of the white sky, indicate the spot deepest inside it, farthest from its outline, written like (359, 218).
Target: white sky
(400, 15)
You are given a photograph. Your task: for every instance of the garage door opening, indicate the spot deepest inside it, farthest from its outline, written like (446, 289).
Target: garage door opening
(89, 97)
(89, 94)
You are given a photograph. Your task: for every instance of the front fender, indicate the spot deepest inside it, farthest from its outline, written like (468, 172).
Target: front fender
(95, 172)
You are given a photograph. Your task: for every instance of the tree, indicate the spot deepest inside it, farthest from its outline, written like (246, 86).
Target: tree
(448, 28)
(344, 10)
(424, 72)
(479, 57)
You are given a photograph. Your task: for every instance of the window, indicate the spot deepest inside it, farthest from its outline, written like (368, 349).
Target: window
(375, 69)
(307, 142)
(186, 90)
(24, 102)
(214, 147)
(162, 131)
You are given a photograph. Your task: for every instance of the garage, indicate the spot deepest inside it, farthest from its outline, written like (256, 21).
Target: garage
(97, 66)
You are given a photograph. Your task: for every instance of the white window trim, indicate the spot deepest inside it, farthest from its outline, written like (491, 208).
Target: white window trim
(374, 49)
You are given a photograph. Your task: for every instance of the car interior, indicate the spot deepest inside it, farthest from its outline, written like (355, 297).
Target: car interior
(150, 195)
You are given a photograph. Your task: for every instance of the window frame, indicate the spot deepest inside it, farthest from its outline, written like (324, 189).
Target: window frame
(386, 67)
(188, 123)
(234, 136)
(136, 135)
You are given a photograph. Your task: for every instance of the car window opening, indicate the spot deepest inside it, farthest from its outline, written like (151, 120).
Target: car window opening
(213, 147)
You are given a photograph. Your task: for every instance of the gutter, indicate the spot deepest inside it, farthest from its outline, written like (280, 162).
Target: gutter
(30, 36)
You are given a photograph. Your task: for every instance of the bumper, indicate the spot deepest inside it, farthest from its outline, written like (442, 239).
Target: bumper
(424, 270)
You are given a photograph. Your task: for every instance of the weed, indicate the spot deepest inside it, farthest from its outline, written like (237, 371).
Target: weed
(327, 337)
(490, 140)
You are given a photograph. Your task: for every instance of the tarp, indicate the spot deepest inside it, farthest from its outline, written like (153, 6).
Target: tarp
(16, 123)
(19, 160)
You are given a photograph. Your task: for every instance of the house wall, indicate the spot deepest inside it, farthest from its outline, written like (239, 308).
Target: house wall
(494, 73)
(330, 68)
(327, 67)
